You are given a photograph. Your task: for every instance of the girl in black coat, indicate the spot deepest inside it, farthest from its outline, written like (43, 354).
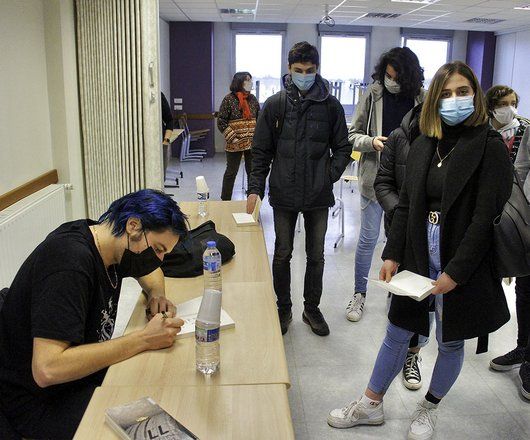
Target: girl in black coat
(458, 178)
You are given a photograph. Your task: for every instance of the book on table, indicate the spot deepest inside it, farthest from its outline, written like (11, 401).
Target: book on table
(144, 419)
(407, 283)
(244, 219)
(188, 311)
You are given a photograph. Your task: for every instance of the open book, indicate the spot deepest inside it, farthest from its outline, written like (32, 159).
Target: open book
(407, 283)
(188, 313)
(145, 420)
(244, 219)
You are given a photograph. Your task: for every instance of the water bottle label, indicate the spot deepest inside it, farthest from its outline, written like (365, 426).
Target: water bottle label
(211, 266)
(203, 335)
(203, 196)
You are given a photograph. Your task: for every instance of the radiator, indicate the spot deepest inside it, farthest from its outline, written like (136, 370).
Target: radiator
(25, 224)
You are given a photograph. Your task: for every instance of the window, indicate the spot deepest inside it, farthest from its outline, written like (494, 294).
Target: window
(432, 54)
(343, 65)
(261, 56)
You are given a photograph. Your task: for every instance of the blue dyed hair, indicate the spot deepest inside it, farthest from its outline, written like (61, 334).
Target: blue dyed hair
(157, 211)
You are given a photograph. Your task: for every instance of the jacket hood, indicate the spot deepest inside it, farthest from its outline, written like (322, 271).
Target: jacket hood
(411, 123)
(318, 92)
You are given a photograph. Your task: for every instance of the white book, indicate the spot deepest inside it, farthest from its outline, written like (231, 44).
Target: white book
(188, 310)
(244, 219)
(407, 283)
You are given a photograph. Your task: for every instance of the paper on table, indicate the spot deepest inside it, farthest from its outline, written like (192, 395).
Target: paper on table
(188, 310)
(407, 283)
(244, 219)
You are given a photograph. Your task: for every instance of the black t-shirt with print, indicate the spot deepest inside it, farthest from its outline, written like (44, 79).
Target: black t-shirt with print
(61, 292)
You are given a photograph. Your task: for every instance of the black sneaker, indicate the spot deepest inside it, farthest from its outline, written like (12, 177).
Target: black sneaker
(286, 317)
(524, 375)
(411, 371)
(316, 321)
(509, 361)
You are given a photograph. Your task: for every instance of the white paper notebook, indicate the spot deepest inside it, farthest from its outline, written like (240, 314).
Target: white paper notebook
(244, 219)
(188, 313)
(407, 283)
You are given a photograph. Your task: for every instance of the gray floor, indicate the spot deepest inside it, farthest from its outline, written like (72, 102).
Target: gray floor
(328, 372)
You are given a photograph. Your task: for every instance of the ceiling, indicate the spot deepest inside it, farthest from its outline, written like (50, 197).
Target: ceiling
(442, 14)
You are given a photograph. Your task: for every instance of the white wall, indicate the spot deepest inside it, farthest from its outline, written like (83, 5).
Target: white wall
(165, 84)
(25, 134)
(459, 51)
(511, 65)
(222, 53)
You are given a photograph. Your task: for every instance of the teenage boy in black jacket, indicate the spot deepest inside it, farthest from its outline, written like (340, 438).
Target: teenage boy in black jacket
(302, 131)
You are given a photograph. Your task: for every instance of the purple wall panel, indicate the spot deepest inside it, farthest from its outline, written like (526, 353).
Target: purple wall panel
(191, 74)
(481, 56)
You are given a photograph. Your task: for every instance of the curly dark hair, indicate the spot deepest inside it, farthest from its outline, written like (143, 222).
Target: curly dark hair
(495, 94)
(238, 80)
(406, 64)
(303, 52)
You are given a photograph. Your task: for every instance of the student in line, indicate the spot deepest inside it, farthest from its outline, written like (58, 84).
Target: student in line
(502, 103)
(302, 131)
(59, 314)
(237, 122)
(397, 88)
(388, 183)
(459, 177)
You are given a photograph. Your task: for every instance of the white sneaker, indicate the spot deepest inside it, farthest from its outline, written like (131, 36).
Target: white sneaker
(356, 413)
(423, 421)
(354, 311)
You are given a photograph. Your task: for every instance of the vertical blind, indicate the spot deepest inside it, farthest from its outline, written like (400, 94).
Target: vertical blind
(117, 48)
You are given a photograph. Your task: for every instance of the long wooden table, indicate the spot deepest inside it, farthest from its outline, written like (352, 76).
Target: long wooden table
(253, 368)
(212, 413)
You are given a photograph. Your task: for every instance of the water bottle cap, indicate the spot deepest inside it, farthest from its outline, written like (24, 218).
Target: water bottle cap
(211, 243)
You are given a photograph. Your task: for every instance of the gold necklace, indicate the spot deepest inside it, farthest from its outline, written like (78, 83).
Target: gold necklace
(115, 284)
(445, 157)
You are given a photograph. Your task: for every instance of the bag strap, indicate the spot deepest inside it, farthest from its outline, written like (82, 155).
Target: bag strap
(369, 122)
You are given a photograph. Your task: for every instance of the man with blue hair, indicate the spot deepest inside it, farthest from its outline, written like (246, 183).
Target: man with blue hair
(58, 317)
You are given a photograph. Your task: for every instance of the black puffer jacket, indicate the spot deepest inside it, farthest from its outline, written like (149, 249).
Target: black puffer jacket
(309, 154)
(391, 172)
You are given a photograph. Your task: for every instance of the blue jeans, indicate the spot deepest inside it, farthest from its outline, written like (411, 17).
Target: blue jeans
(371, 214)
(315, 225)
(393, 351)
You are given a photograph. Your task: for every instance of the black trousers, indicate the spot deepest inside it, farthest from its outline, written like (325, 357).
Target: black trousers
(316, 225)
(522, 307)
(233, 160)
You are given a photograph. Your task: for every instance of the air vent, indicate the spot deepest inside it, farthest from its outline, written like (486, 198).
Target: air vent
(381, 15)
(236, 11)
(421, 2)
(485, 20)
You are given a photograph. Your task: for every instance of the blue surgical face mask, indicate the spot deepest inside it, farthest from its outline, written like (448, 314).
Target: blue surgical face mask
(304, 81)
(456, 110)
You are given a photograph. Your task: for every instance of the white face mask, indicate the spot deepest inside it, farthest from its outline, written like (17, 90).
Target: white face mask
(247, 86)
(505, 115)
(392, 86)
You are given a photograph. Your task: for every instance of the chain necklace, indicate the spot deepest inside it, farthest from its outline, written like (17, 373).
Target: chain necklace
(115, 284)
(443, 158)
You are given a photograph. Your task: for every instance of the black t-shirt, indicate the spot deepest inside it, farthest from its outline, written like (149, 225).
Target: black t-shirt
(395, 107)
(61, 292)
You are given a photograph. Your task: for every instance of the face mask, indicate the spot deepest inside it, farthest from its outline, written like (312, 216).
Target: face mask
(505, 115)
(247, 86)
(392, 86)
(303, 81)
(456, 110)
(138, 265)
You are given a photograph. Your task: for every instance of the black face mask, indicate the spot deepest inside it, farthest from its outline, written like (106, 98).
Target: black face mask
(138, 265)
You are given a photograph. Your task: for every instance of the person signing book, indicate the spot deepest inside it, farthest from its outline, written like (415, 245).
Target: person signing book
(59, 314)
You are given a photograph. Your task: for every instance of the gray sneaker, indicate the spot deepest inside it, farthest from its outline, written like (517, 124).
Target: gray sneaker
(356, 413)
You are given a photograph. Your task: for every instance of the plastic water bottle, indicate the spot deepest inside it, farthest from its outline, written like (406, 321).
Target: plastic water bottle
(207, 349)
(202, 195)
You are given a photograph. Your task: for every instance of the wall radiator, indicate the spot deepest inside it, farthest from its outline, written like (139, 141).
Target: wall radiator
(25, 224)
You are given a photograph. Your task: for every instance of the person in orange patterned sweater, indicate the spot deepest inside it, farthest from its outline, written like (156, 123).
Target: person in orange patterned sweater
(236, 121)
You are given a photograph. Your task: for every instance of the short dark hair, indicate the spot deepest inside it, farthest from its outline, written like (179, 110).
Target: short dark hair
(157, 211)
(238, 80)
(406, 64)
(304, 52)
(495, 94)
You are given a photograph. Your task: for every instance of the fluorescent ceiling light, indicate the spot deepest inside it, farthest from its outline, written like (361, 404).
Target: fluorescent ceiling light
(524, 7)
(421, 2)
